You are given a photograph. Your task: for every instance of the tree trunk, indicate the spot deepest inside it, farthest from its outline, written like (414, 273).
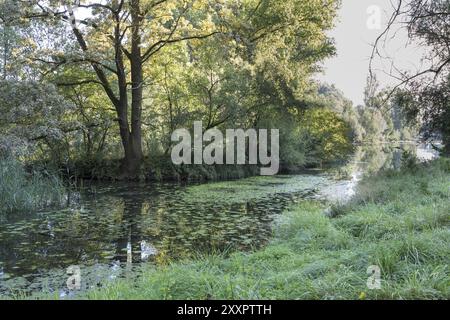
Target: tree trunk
(131, 134)
(131, 143)
(133, 154)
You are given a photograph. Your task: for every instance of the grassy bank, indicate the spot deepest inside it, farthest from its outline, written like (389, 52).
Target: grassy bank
(22, 189)
(399, 221)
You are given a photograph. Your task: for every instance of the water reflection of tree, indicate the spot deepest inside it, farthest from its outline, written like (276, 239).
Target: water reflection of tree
(129, 236)
(371, 158)
(182, 228)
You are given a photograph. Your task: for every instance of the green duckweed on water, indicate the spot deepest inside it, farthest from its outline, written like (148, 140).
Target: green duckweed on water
(252, 188)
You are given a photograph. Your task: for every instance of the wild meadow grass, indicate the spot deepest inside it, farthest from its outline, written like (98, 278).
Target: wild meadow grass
(398, 221)
(21, 190)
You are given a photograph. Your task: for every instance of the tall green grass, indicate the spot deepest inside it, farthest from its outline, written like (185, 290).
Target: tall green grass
(399, 221)
(22, 190)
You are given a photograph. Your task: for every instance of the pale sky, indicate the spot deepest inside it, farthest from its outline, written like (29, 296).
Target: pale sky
(349, 69)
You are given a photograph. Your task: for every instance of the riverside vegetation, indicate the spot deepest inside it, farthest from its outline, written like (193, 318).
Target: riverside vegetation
(22, 190)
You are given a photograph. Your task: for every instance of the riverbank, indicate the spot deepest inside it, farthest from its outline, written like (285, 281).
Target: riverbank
(399, 221)
(162, 170)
